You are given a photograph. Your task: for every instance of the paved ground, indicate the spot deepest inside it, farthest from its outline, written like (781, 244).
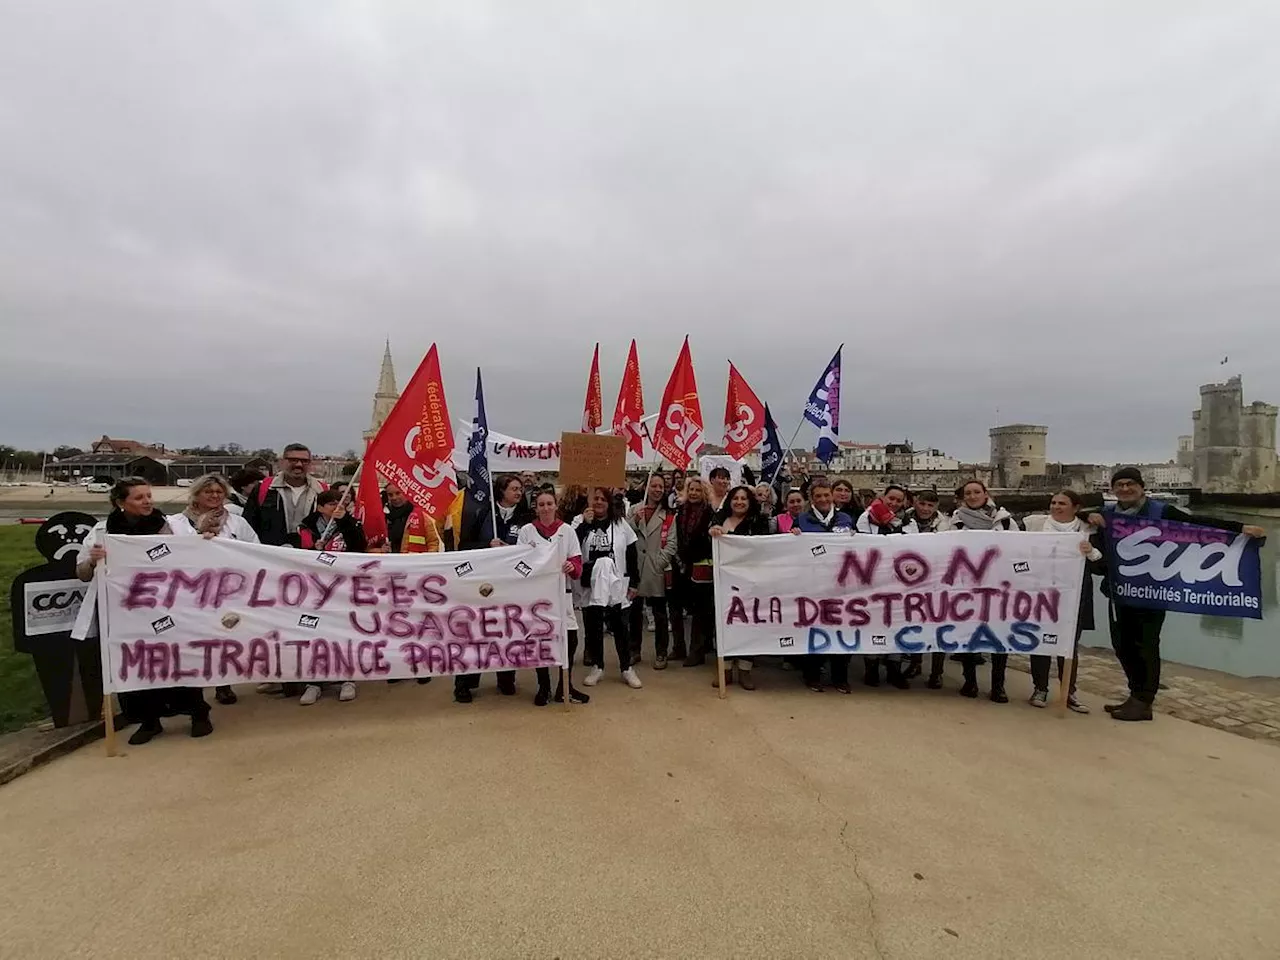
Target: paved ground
(1248, 707)
(659, 822)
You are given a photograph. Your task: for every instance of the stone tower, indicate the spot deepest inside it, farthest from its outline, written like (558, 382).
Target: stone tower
(386, 396)
(1234, 446)
(1017, 451)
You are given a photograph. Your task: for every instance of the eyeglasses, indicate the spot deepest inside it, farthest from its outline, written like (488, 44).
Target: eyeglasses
(299, 460)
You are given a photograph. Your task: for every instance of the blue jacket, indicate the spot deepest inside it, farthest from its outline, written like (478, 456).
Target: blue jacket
(807, 522)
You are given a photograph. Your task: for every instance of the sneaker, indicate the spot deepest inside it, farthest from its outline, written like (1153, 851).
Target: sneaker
(575, 696)
(1075, 705)
(201, 727)
(145, 732)
(347, 691)
(309, 695)
(1039, 698)
(269, 688)
(594, 675)
(660, 663)
(631, 678)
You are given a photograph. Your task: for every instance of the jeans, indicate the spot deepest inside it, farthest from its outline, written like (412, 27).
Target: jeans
(593, 623)
(1040, 668)
(659, 607)
(1135, 637)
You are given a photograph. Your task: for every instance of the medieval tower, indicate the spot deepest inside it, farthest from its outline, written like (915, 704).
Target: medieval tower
(1234, 446)
(1017, 451)
(386, 396)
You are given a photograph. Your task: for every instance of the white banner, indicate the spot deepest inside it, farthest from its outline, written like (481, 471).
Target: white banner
(185, 611)
(512, 455)
(966, 591)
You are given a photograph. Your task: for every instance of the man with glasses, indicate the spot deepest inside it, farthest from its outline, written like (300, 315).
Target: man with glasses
(278, 506)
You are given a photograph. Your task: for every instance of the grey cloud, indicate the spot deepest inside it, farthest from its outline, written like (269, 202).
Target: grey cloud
(212, 214)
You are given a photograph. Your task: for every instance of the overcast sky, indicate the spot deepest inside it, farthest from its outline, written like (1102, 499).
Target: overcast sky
(211, 214)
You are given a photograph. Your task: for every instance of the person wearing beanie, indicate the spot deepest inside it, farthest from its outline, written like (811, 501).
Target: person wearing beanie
(1135, 631)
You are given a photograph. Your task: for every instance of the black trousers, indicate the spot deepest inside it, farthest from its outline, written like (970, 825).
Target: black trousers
(148, 706)
(660, 631)
(593, 623)
(544, 673)
(999, 664)
(936, 662)
(1040, 667)
(701, 601)
(471, 681)
(1135, 637)
(811, 668)
(675, 611)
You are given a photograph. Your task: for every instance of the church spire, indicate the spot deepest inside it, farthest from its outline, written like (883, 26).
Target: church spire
(387, 378)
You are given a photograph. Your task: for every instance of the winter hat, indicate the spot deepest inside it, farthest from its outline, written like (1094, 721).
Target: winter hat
(1128, 473)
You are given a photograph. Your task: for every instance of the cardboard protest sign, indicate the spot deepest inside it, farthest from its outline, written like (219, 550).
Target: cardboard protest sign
(184, 611)
(592, 460)
(1183, 567)
(971, 591)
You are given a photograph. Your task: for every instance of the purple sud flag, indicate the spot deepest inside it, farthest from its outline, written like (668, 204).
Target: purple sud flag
(1183, 568)
(478, 450)
(823, 409)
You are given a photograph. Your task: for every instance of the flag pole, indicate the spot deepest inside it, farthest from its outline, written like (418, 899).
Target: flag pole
(786, 453)
(327, 534)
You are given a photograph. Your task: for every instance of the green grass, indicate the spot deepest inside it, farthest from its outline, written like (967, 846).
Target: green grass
(21, 699)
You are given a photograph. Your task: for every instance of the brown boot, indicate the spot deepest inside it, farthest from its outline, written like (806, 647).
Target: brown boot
(745, 680)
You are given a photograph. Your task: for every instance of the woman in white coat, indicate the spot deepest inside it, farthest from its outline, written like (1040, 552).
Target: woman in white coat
(208, 515)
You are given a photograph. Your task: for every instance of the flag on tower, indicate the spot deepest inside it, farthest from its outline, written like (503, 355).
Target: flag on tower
(823, 409)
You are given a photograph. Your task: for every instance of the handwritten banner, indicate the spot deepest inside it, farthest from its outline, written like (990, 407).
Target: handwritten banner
(184, 611)
(511, 455)
(967, 591)
(1183, 567)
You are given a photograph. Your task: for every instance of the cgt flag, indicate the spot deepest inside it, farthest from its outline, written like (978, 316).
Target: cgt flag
(743, 416)
(479, 481)
(823, 409)
(593, 409)
(414, 447)
(628, 415)
(678, 436)
(369, 509)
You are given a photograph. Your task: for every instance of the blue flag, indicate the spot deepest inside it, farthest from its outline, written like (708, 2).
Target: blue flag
(823, 409)
(478, 450)
(1181, 567)
(771, 455)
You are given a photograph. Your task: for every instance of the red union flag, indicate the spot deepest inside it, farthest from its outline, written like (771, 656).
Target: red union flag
(414, 448)
(679, 431)
(593, 409)
(369, 508)
(743, 417)
(629, 413)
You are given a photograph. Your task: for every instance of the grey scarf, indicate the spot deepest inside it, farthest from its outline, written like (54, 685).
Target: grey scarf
(984, 518)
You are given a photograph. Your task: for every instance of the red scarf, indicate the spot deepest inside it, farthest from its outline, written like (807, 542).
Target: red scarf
(548, 531)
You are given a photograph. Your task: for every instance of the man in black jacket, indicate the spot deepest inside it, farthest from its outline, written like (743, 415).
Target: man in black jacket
(278, 506)
(1135, 631)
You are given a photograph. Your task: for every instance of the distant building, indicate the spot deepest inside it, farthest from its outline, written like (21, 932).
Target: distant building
(385, 397)
(861, 457)
(114, 445)
(1017, 454)
(1186, 456)
(1234, 446)
(109, 466)
(899, 457)
(931, 461)
(1165, 476)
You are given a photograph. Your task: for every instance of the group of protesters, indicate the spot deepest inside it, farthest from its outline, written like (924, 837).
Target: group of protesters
(644, 554)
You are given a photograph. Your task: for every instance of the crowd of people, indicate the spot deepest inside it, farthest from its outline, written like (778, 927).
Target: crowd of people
(640, 555)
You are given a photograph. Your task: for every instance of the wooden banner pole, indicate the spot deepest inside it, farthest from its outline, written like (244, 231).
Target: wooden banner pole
(720, 676)
(564, 685)
(109, 724)
(1064, 685)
